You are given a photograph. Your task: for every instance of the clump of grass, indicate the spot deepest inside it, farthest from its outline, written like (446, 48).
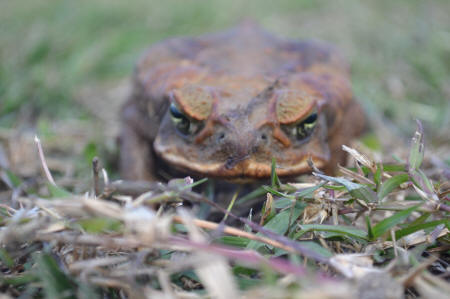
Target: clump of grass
(379, 228)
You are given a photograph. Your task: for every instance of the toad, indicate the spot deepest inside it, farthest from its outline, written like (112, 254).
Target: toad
(223, 105)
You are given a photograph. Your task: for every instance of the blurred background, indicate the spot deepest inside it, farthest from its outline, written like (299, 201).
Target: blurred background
(65, 67)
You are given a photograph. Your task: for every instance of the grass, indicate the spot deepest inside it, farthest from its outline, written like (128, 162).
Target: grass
(391, 222)
(64, 69)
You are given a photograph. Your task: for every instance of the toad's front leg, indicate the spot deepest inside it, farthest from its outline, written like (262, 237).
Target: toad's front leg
(136, 155)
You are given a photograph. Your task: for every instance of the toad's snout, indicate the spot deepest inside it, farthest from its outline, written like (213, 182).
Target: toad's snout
(239, 144)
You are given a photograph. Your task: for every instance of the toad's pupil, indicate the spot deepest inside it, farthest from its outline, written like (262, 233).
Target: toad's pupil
(181, 122)
(311, 119)
(306, 127)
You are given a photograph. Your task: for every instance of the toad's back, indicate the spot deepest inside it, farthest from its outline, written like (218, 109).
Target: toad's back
(237, 99)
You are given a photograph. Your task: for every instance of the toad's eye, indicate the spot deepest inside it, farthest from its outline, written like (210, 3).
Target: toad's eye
(183, 124)
(305, 128)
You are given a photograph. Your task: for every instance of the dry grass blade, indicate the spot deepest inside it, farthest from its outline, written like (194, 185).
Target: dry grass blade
(235, 232)
(213, 270)
(43, 161)
(360, 158)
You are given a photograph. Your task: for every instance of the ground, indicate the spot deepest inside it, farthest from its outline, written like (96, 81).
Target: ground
(65, 68)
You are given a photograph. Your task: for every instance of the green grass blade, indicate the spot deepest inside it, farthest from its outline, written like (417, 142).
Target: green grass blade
(356, 190)
(308, 191)
(391, 184)
(369, 228)
(58, 192)
(341, 229)
(386, 168)
(99, 225)
(234, 241)
(394, 167)
(194, 184)
(377, 175)
(254, 194)
(414, 228)
(277, 193)
(364, 193)
(421, 219)
(386, 224)
(17, 280)
(6, 259)
(56, 283)
(14, 179)
(275, 181)
(278, 224)
(417, 148)
(426, 185)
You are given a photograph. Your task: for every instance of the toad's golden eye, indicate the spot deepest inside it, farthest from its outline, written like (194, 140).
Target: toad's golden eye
(183, 124)
(305, 128)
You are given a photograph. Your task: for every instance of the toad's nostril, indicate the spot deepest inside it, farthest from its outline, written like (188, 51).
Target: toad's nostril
(221, 137)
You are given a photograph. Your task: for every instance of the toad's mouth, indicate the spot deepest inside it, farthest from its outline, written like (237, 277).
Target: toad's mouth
(246, 168)
(232, 161)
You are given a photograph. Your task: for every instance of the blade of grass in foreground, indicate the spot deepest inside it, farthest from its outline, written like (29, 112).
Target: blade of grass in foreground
(234, 241)
(357, 190)
(377, 175)
(414, 228)
(254, 194)
(416, 153)
(277, 193)
(5, 258)
(311, 245)
(275, 181)
(58, 192)
(369, 228)
(391, 184)
(18, 280)
(386, 224)
(307, 191)
(56, 283)
(97, 225)
(344, 230)
(278, 224)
